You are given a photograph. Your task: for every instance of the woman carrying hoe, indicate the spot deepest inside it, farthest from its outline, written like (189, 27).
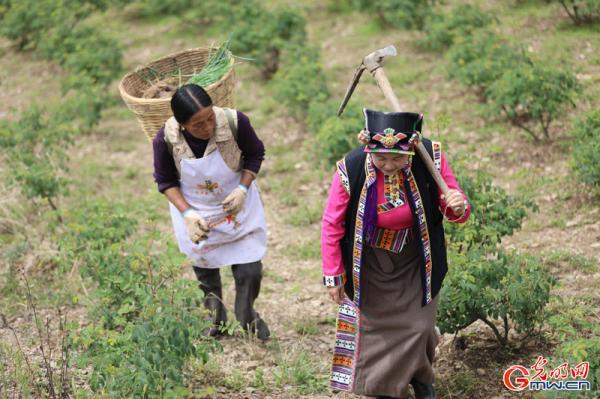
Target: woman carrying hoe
(384, 258)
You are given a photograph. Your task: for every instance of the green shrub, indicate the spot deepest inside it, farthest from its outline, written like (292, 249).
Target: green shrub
(261, 34)
(511, 287)
(336, 138)
(37, 143)
(30, 21)
(146, 321)
(494, 214)
(582, 11)
(443, 29)
(533, 95)
(481, 59)
(39, 140)
(580, 350)
(586, 149)
(159, 7)
(301, 82)
(145, 357)
(88, 51)
(56, 28)
(335, 135)
(483, 282)
(320, 111)
(403, 14)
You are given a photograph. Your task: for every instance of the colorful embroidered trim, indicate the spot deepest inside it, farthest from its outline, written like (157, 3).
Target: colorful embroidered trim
(392, 188)
(437, 155)
(359, 228)
(388, 206)
(334, 281)
(345, 353)
(422, 221)
(343, 173)
(390, 240)
(393, 192)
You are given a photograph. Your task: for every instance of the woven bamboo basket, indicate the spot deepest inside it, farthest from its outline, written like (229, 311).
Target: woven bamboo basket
(152, 113)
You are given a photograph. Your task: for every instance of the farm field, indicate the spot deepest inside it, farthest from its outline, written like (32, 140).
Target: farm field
(97, 301)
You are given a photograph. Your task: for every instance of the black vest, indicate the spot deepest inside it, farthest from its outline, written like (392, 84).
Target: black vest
(355, 167)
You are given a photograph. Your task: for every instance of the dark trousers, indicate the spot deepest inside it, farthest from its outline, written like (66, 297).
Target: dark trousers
(247, 279)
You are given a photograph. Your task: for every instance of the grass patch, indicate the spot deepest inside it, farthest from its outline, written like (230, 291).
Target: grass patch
(305, 215)
(307, 327)
(235, 381)
(569, 317)
(462, 384)
(305, 250)
(298, 369)
(565, 260)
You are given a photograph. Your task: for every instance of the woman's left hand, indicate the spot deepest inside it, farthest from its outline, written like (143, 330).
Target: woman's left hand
(455, 201)
(234, 202)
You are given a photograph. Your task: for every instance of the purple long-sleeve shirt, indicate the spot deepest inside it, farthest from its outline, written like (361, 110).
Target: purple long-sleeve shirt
(165, 171)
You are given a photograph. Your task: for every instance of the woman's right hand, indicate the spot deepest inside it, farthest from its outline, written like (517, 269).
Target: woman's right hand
(363, 137)
(196, 226)
(336, 293)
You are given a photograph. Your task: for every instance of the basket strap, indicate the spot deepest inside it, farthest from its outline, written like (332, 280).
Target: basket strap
(230, 121)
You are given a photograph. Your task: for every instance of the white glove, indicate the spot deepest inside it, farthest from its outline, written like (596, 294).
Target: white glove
(196, 226)
(234, 202)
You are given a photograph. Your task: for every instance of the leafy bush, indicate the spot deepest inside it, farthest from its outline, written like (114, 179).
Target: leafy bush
(576, 334)
(443, 29)
(579, 350)
(403, 14)
(481, 59)
(86, 50)
(145, 355)
(533, 95)
(159, 7)
(586, 149)
(494, 214)
(483, 282)
(39, 139)
(30, 21)
(35, 153)
(301, 82)
(262, 35)
(510, 287)
(58, 30)
(147, 321)
(335, 135)
(582, 11)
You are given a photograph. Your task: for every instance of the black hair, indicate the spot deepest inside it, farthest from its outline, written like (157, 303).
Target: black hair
(187, 100)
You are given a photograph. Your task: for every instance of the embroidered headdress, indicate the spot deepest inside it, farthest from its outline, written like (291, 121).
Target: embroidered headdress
(392, 131)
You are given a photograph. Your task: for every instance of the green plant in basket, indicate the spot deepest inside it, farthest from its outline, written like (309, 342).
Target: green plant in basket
(218, 64)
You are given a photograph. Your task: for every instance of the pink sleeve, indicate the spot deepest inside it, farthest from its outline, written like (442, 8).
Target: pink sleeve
(332, 231)
(450, 180)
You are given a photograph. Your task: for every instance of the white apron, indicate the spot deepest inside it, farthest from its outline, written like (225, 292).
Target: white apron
(232, 240)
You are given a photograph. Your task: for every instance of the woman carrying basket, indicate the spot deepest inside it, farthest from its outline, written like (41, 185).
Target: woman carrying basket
(384, 258)
(205, 162)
